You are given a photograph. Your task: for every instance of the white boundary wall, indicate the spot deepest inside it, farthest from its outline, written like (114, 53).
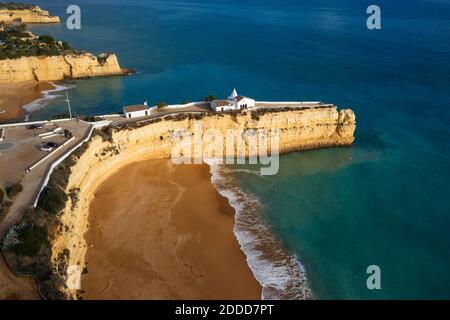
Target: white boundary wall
(50, 154)
(281, 103)
(65, 156)
(21, 124)
(180, 106)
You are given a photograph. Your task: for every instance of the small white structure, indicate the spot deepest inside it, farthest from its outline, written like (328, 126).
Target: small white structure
(234, 102)
(222, 105)
(136, 111)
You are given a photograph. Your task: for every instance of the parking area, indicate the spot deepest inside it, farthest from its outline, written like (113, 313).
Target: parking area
(21, 146)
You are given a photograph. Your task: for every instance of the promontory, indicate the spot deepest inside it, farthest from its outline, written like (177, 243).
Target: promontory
(25, 56)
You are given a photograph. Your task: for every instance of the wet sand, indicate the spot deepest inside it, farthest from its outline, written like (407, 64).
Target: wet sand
(13, 96)
(159, 231)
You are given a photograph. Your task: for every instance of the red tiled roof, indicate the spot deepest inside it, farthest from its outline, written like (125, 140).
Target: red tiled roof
(221, 103)
(135, 108)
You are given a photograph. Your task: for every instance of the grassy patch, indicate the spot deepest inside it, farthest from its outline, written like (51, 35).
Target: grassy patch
(25, 239)
(16, 43)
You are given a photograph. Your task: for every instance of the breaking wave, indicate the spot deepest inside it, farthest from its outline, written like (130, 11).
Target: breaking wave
(279, 272)
(47, 97)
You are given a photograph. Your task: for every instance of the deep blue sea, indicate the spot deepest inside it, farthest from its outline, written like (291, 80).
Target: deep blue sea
(386, 200)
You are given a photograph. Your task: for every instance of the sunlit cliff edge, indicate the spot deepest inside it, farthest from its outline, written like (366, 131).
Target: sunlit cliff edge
(110, 150)
(33, 14)
(61, 67)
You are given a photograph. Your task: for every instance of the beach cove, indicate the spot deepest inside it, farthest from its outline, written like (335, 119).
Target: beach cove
(150, 239)
(383, 201)
(116, 152)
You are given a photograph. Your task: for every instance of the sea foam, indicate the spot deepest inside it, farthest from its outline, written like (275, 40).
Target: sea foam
(47, 97)
(279, 272)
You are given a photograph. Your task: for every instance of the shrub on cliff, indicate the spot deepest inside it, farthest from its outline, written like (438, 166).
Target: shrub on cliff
(161, 105)
(210, 98)
(61, 116)
(25, 239)
(2, 196)
(65, 45)
(46, 39)
(4, 207)
(18, 43)
(255, 116)
(105, 133)
(14, 190)
(91, 118)
(52, 200)
(16, 6)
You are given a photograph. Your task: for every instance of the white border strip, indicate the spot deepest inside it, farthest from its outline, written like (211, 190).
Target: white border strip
(61, 159)
(22, 124)
(50, 154)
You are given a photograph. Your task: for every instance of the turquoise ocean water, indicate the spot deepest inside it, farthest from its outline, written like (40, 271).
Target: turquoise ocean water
(384, 202)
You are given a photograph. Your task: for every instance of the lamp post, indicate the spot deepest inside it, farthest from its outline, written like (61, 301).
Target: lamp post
(68, 104)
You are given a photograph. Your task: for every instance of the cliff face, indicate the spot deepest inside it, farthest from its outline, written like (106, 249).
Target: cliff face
(55, 68)
(34, 15)
(299, 130)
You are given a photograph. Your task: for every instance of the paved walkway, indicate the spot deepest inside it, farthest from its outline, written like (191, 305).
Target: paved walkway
(158, 113)
(31, 181)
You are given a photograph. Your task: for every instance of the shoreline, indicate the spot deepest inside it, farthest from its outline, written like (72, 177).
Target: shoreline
(198, 254)
(14, 97)
(109, 152)
(280, 272)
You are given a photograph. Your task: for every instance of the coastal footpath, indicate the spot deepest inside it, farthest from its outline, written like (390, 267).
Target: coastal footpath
(110, 149)
(60, 67)
(26, 14)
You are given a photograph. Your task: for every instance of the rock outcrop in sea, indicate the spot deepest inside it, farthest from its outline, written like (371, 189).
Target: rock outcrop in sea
(26, 14)
(60, 67)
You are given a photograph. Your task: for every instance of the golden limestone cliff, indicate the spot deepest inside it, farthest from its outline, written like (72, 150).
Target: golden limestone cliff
(33, 14)
(61, 67)
(105, 155)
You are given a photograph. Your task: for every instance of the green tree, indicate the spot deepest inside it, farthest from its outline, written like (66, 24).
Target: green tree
(65, 45)
(210, 98)
(14, 190)
(46, 38)
(161, 105)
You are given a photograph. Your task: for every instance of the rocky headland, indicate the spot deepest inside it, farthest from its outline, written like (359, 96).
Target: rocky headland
(25, 13)
(64, 206)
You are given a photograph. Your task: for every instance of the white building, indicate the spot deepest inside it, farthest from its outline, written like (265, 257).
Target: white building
(234, 102)
(136, 111)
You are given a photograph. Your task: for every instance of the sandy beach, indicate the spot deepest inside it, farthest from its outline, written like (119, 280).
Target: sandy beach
(13, 96)
(159, 231)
